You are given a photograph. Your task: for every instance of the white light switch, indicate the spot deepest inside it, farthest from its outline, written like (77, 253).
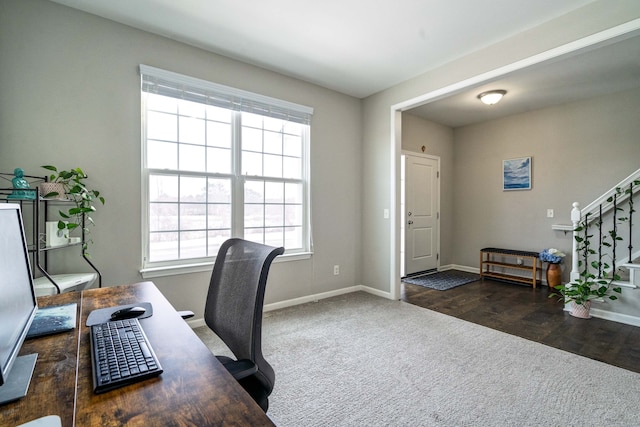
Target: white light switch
(386, 214)
(549, 213)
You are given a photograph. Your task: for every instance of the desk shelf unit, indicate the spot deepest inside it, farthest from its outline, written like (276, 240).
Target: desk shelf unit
(35, 214)
(503, 264)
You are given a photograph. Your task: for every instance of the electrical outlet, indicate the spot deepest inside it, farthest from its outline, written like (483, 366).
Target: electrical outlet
(336, 270)
(549, 213)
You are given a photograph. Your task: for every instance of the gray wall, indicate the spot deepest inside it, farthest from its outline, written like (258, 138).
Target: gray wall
(579, 151)
(71, 97)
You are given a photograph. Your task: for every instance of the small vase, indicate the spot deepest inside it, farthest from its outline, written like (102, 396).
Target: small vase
(554, 275)
(583, 311)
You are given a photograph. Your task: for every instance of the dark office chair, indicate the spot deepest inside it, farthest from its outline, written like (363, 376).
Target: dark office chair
(233, 311)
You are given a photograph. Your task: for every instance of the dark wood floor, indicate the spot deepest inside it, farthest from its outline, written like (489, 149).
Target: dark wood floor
(529, 313)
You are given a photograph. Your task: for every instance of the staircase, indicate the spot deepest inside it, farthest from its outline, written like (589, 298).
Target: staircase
(609, 223)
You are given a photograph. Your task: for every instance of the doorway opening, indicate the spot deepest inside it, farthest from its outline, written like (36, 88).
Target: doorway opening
(608, 36)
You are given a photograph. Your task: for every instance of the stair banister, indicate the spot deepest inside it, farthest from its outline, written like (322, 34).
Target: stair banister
(602, 200)
(597, 208)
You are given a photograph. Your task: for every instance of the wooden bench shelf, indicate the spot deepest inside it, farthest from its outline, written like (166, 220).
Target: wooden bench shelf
(493, 264)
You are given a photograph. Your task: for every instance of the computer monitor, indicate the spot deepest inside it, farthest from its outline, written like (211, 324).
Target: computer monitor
(18, 305)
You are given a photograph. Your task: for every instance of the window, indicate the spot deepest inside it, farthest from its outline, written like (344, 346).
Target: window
(219, 163)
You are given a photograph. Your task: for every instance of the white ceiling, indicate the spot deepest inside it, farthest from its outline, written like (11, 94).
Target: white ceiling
(360, 47)
(357, 47)
(612, 67)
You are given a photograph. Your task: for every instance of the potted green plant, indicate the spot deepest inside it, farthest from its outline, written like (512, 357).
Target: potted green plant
(589, 286)
(81, 198)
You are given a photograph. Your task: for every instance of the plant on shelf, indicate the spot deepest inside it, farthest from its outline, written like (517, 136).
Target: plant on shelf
(81, 198)
(595, 280)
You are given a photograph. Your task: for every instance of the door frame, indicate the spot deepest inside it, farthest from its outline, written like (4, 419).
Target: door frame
(403, 198)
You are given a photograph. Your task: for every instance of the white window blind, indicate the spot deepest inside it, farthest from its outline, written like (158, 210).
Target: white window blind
(167, 83)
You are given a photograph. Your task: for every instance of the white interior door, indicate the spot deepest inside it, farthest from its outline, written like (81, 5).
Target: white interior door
(422, 185)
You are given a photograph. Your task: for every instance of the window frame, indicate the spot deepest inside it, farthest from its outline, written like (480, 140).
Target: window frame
(240, 101)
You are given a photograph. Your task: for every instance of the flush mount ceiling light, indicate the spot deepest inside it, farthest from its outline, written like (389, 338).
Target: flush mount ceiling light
(492, 97)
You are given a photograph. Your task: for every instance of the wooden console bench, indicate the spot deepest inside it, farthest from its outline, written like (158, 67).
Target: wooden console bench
(495, 262)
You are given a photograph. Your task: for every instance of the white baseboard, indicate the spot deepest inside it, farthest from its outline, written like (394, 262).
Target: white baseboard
(459, 267)
(373, 291)
(602, 314)
(615, 317)
(309, 298)
(325, 295)
(194, 323)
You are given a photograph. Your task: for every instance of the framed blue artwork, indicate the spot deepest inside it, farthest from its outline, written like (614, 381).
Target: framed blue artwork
(516, 174)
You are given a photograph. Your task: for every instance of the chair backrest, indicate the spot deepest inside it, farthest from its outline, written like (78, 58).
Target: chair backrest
(235, 299)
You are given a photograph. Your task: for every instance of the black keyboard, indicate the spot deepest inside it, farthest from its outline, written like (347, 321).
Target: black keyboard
(121, 354)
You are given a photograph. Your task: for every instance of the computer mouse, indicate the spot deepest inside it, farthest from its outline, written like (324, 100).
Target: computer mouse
(127, 313)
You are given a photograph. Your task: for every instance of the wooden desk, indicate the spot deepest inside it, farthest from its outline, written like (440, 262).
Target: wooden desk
(194, 389)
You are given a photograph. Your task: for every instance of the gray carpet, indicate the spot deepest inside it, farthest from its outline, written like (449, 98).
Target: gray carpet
(361, 360)
(443, 280)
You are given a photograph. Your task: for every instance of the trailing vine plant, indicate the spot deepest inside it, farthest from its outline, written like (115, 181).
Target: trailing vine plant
(595, 280)
(82, 198)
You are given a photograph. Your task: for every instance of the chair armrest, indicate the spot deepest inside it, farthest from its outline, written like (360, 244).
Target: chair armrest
(186, 314)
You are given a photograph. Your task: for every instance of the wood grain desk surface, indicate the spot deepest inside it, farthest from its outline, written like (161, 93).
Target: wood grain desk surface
(194, 389)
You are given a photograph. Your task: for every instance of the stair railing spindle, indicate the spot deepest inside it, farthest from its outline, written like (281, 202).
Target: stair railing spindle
(614, 237)
(630, 222)
(575, 220)
(600, 240)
